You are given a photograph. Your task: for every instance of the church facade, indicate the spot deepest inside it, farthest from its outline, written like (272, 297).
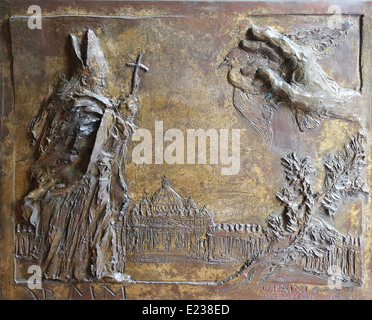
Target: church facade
(166, 227)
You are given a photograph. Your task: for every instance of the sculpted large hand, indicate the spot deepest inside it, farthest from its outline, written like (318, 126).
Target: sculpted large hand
(311, 93)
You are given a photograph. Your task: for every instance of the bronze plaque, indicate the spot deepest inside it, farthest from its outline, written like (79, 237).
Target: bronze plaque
(185, 150)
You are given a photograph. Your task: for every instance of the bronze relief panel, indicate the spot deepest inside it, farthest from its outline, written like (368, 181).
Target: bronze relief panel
(214, 151)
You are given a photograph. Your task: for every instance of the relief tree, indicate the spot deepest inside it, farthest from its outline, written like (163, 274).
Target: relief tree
(303, 230)
(303, 207)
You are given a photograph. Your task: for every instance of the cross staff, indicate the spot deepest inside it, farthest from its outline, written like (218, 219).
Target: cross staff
(138, 67)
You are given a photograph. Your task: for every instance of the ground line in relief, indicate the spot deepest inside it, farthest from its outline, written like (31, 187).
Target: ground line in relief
(103, 17)
(199, 283)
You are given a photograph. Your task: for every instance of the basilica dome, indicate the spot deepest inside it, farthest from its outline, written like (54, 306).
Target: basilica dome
(166, 199)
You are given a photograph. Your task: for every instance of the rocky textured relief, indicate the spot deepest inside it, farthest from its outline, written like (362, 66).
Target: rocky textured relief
(78, 197)
(270, 70)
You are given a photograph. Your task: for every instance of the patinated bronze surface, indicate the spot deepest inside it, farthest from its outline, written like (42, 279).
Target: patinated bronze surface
(186, 151)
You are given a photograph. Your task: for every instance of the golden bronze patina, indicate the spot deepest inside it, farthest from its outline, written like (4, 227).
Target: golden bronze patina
(186, 151)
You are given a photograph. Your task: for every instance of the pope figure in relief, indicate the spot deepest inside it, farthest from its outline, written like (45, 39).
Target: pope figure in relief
(78, 194)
